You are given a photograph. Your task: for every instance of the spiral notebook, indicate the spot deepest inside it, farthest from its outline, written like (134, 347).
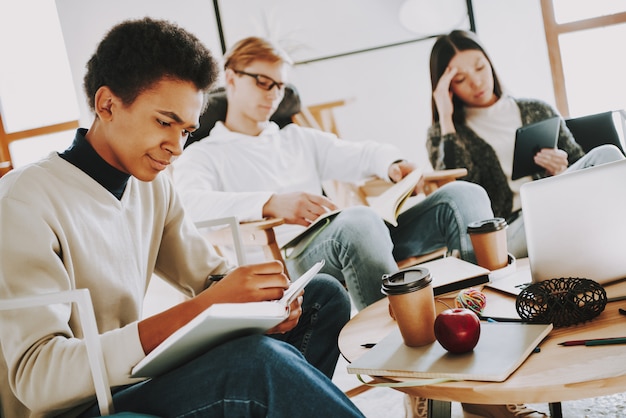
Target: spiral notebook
(501, 349)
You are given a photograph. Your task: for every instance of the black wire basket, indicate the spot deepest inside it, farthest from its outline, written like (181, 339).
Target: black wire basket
(561, 302)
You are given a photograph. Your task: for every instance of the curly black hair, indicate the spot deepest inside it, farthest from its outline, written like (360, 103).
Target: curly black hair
(136, 54)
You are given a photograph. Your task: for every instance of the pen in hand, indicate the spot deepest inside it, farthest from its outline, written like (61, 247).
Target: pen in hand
(216, 277)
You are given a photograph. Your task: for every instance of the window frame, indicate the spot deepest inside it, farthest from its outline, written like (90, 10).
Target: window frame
(553, 30)
(6, 162)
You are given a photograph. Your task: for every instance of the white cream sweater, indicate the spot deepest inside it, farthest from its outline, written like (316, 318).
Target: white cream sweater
(229, 173)
(60, 230)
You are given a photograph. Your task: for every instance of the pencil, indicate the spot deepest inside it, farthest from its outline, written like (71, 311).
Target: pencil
(496, 319)
(619, 340)
(597, 341)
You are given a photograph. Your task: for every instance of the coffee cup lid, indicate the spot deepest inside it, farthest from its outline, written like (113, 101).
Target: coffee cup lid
(406, 281)
(487, 225)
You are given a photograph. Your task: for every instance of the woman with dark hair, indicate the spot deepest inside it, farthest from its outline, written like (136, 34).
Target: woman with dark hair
(474, 125)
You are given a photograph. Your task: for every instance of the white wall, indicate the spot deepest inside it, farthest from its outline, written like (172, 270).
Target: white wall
(84, 24)
(389, 88)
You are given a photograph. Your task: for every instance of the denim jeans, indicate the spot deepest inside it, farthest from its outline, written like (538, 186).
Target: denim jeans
(359, 247)
(254, 376)
(516, 234)
(325, 310)
(258, 375)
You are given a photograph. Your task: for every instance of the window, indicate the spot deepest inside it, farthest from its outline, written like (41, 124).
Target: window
(34, 103)
(585, 40)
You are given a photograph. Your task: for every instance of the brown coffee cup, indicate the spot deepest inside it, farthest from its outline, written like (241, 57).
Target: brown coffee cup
(412, 304)
(489, 241)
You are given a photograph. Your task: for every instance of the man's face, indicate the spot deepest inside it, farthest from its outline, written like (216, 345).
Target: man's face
(251, 97)
(142, 139)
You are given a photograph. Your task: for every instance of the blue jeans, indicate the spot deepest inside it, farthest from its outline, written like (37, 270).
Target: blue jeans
(359, 247)
(258, 375)
(516, 234)
(254, 376)
(325, 310)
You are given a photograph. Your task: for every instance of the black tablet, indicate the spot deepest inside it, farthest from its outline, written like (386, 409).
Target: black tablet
(529, 140)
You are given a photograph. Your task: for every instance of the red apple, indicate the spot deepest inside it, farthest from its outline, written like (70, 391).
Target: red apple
(457, 330)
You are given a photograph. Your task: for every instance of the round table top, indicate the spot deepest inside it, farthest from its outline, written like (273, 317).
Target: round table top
(555, 374)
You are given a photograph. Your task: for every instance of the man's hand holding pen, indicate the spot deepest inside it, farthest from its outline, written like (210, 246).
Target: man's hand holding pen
(254, 283)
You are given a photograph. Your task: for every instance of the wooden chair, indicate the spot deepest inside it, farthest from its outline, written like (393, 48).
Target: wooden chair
(5, 167)
(251, 234)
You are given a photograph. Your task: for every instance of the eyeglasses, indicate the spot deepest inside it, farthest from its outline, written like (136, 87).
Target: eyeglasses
(263, 81)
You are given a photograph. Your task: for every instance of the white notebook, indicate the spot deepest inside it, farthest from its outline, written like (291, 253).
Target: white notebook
(451, 274)
(219, 323)
(501, 349)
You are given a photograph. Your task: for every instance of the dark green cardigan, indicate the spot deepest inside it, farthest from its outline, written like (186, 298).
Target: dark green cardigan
(465, 149)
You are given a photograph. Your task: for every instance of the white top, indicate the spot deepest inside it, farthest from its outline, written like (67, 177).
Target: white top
(497, 125)
(229, 173)
(60, 230)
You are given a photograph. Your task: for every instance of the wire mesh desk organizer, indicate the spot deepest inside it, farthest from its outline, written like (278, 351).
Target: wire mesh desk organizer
(561, 301)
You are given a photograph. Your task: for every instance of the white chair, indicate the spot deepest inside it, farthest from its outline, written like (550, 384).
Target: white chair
(87, 319)
(235, 238)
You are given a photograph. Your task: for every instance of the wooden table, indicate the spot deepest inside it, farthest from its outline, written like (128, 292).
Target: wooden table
(553, 375)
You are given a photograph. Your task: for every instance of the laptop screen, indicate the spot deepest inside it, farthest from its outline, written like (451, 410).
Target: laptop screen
(575, 224)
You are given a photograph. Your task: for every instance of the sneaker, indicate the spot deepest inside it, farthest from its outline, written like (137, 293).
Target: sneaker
(471, 410)
(415, 407)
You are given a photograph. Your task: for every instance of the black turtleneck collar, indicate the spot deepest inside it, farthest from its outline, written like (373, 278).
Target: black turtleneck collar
(83, 156)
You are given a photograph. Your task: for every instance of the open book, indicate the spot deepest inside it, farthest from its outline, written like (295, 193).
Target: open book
(388, 205)
(313, 229)
(219, 323)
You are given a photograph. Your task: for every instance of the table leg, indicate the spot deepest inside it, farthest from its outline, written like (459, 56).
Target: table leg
(555, 410)
(439, 409)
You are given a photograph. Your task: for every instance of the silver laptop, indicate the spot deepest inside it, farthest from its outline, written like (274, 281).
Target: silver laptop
(575, 224)
(575, 227)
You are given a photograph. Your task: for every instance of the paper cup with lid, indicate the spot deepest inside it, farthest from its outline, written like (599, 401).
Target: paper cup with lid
(489, 241)
(412, 304)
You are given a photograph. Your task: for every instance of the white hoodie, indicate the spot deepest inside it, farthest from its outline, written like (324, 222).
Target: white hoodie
(229, 173)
